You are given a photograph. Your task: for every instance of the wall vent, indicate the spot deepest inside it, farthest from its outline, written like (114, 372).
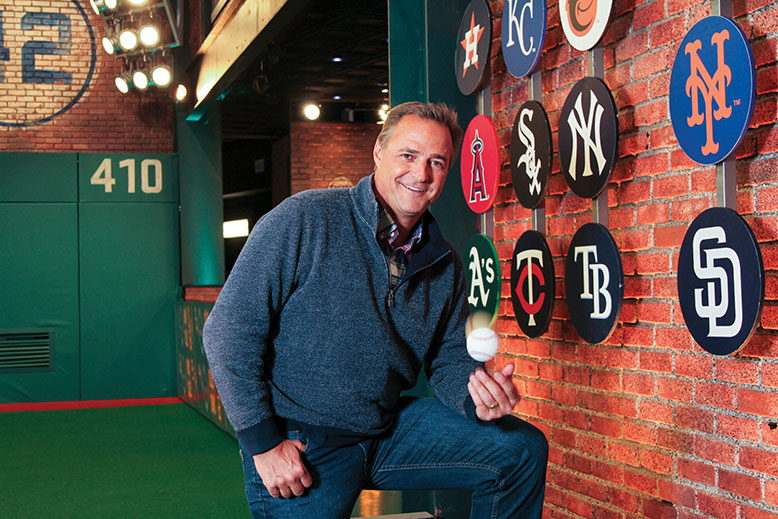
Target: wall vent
(26, 350)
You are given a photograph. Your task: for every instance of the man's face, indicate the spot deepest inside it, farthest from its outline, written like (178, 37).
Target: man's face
(411, 167)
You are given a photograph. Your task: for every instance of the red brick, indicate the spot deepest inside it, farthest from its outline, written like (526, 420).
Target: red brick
(694, 366)
(715, 450)
(737, 428)
(672, 388)
(675, 440)
(738, 370)
(716, 506)
(758, 402)
(690, 417)
(659, 509)
(717, 395)
(696, 471)
(741, 484)
(657, 461)
(676, 493)
(640, 482)
(760, 460)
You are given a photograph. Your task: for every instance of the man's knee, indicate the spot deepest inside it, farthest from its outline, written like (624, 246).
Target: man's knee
(526, 445)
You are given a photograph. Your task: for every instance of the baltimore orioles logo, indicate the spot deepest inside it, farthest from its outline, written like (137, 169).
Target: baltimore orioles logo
(581, 15)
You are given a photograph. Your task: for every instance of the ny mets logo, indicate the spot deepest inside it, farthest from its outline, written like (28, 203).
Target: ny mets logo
(712, 90)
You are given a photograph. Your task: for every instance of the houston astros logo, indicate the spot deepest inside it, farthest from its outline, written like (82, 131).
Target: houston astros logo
(720, 280)
(712, 89)
(700, 83)
(470, 44)
(474, 38)
(477, 188)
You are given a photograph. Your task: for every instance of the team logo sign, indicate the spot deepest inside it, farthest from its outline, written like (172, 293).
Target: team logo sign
(588, 137)
(594, 282)
(531, 154)
(584, 21)
(712, 90)
(720, 280)
(532, 283)
(480, 164)
(472, 49)
(523, 32)
(47, 59)
(484, 282)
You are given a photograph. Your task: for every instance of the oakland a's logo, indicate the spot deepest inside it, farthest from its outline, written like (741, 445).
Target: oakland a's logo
(712, 89)
(483, 291)
(584, 21)
(480, 164)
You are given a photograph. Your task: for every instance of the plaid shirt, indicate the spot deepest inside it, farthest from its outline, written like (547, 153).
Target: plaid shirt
(397, 257)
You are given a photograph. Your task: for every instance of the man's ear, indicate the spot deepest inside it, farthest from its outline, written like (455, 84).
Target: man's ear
(377, 152)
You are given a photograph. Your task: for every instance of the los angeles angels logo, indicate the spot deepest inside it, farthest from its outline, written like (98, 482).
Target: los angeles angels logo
(479, 164)
(477, 187)
(712, 89)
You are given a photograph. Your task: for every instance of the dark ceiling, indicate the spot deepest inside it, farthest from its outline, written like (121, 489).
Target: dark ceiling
(298, 67)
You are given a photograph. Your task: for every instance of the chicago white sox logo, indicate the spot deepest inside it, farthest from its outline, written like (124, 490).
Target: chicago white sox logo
(477, 186)
(712, 89)
(518, 23)
(708, 307)
(531, 164)
(600, 278)
(586, 128)
(530, 304)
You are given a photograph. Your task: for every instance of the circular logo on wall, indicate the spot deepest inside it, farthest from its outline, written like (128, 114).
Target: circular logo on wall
(480, 164)
(594, 282)
(588, 137)
(712, 90)
(484, 281)
(533, 284)
(474, 40)
(720, 280)
(584, 21)
(47, 59)
(523, 32)
(531, 153)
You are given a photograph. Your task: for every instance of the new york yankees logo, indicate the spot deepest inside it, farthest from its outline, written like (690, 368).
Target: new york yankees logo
(528, 160)
(477, 187)
(586, 127)
(711, 88)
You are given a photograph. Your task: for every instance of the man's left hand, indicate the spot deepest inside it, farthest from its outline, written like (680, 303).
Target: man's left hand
(494, 394)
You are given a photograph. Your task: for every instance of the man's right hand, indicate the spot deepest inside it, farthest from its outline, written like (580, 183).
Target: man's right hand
(282, 469)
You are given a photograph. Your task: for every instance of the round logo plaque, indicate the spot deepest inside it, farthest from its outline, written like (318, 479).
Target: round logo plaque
(588, 137)
(523, 33)
(484, 281)
(531, 154)
(480, 164)
(533, 284)
(584, 21)
(474, 40)
(594, 282)
(720, 280)
(712, 90)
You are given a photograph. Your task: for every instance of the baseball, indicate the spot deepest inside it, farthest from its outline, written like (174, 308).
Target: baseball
(482, 344)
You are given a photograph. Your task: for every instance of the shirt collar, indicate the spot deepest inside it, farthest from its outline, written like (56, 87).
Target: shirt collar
(388, 230)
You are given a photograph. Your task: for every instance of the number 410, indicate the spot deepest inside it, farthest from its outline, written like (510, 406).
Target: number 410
(104, 177)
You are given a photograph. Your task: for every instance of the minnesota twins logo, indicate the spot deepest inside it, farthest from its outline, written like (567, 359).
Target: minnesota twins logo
(530, 304)
(477, 187)
(532, 283)
(712, 89)
(720, 280)
(700, 83)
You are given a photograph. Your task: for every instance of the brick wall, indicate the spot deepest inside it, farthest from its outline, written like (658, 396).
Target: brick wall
(647, 424)
(51, 116)
(321, 152)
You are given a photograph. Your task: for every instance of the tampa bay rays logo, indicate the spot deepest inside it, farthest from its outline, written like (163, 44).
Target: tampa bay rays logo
(710, 88)
(532, 303)
(528, 160)
(477, 186)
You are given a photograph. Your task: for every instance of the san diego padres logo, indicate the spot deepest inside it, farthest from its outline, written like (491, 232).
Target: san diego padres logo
(712, 89)
(532, 283)
(474, 39)
(594, 282)
(588, 137)
(720, 280)
(480, 164)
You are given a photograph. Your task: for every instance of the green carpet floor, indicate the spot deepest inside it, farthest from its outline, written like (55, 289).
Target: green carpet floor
(163, 461)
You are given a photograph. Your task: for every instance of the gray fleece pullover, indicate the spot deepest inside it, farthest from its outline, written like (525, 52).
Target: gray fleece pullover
(308, 329)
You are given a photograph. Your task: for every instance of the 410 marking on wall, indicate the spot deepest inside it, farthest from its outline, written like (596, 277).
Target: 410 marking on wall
(104, 176)
(47, 59)
(117, 177)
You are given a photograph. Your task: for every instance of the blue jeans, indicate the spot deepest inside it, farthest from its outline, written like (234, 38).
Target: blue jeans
(429, 447)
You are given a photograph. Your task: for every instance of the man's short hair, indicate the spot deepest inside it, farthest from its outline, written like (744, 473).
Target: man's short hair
(435, 111)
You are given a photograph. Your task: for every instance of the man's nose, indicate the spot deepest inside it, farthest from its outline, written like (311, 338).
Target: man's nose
(422, 171)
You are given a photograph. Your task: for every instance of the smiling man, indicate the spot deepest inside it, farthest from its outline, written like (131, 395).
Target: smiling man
(337, 301)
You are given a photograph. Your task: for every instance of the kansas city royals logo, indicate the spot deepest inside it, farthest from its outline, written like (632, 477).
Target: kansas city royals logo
(531, 153)
(479, 164)
(720, 280)
(472, 47)
(588, 137)
(594, 282)
(712, 89)
(484, 280)
(523, 29)
(532, 283)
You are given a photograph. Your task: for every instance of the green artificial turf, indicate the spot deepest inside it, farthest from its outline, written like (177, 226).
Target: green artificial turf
(162, 461)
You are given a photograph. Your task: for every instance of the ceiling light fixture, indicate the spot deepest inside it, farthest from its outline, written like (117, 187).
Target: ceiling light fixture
(128, 39)
(149, 35)
(123, 82)
(161, 75)
(140, 79)
(180, 93)
(109, 44)
(337, 59)
(311, 111)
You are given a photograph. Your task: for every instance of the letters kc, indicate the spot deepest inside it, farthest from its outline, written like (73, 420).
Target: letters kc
(594, 282)
(712, 90)
(533, 285)
(523, 33)
(588, 137)
(720, 280)
(531, 154)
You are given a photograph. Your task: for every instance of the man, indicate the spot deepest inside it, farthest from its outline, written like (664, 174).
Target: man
(337, 301)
